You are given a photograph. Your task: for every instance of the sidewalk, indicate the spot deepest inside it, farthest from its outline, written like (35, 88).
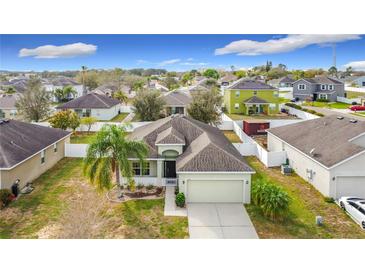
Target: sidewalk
(170, 207)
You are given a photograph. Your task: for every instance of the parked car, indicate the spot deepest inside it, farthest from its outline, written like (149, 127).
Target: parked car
(355, 207)
(357, 108)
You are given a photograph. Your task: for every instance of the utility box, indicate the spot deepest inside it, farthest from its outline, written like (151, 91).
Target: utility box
(255, 127)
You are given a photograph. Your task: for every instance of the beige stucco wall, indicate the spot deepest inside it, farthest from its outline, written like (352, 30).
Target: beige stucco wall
(32, 168)
(162, 148)
(11, 114)
(184, 178)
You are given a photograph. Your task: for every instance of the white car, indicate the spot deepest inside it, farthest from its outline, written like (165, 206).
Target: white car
(355, 207)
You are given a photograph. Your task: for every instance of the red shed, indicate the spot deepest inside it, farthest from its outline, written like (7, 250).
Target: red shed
(255, 127)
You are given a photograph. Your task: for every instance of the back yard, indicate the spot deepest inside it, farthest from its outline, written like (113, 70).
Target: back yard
(65, 205)
(337, 105)
(307, 203)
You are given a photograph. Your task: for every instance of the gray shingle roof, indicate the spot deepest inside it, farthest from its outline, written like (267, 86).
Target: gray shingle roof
(206, 147)
(243, 84)
(19, 140)
(8, 101)
(177, 98)
(328, 136)
(170, 136)
(323, 80)
(91, 100)
(255, 100)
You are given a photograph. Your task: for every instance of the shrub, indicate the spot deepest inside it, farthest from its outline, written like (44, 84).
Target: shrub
(354, 103)
(293, 105)
(4, 197)
(149, 187)
(176, 190)
(320, 114)
(272, 200)
(329, 200)
(180, 199)
(132, 186)
(139, 186)
(322, 100)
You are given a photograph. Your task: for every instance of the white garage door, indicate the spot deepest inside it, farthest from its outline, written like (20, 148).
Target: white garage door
(350, 186)
(215, 191)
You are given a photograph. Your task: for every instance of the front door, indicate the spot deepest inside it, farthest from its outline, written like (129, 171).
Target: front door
(170, 169)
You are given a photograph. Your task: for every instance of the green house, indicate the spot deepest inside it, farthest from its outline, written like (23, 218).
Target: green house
(250, 97)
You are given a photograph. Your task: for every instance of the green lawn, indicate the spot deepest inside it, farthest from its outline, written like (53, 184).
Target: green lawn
(360, 114)
(82, 137)
(65, 205)
(232, 136)
(337, 105)
(354, 94)
(307, 203)
(241, 117)
(119, 117)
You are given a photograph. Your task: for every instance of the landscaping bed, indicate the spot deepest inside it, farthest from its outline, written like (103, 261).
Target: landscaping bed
(306, 204)
(65, 205)
(120, 117)
(336, 105)
(232, 136)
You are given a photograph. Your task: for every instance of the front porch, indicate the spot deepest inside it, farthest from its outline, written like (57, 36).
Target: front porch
(256, 105)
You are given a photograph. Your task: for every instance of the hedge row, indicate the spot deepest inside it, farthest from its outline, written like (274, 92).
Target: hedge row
(304, 109)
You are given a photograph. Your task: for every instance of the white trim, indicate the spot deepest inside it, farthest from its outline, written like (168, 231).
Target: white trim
(323, 86)
(357, 136)
(170, 144)
(304, 85)
(59, 140)
(216, 172)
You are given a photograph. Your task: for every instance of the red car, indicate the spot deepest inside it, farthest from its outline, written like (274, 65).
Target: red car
(357, 108)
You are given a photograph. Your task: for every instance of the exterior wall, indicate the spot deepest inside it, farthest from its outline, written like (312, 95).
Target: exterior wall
(32, 168)
(10, 114)
(105, 114)
(303, 94)
(163, 148)
(302, 164)
(230, 100)
(184, 178)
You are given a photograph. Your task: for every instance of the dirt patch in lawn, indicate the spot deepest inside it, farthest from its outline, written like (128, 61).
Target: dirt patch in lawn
(65, 205)
(307, 203)
(232, 136)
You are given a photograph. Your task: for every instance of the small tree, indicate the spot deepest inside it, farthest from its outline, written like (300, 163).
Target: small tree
(120, 96)
(148, 105)
(211, 73)
(65, 119)
(35, 103)
(88, 121)
(205, 106)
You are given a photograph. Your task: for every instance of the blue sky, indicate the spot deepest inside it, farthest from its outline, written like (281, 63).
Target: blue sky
(177, 52)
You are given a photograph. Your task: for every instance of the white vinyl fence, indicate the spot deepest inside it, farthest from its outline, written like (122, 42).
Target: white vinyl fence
(349, 101)
(355, 89)
(75, 150)
(301, 114)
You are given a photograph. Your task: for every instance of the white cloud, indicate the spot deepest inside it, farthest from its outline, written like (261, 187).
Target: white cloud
(356, 65)
(286, 44)
(141, 61)
(51, 51)
(170, 62)
(190, 59)
(194, 64)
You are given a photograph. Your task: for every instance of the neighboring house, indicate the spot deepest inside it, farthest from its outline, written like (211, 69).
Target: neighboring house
(109, 89)
(60, 82)
(355, 81)
(321, 87)
(284, 82)
(197, 157)
(95, 105)
(154, 84)
(227, 79)
(251, 97)
(8, 109)
(177, 102)
(28, 150)
(327, 152)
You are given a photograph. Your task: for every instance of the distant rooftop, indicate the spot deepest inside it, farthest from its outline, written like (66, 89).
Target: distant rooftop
(91, 100)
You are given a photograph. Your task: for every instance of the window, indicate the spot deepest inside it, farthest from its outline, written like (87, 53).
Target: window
(255, 92)
(136, 168)
(54, 148)
(236, 105)
(86, 113)
(146, 169)
(237, 93)
(301, 87)
(330, 87)
(43, 157)
(323, 87)
(363, 84)
(323, 96)
(2, 114)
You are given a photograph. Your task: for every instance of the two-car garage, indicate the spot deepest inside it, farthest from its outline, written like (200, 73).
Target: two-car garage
(350, 186)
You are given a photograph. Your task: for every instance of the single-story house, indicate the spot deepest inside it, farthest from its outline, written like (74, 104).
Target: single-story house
(355, 81)
(283, 82)
(177, 102)
(227, 79)
(195, 156)
(108, 89)
(328, 152)
(95, 105)
(320, 87)
(28, 150)
(61, 82)
(8, 108)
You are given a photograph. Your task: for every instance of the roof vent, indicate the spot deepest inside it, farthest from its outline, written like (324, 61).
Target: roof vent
(339, 118)
(353, 121)
(312, 151)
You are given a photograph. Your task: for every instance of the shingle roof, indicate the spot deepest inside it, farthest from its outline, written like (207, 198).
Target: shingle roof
(249, 85)
(206, 147)
(286, 79)
(170, 136)
(328, 136)
(177, 98)
(91, 100)
(19, 140)
(63, 81)
(255, 100)
(8, 101)
(323, 80)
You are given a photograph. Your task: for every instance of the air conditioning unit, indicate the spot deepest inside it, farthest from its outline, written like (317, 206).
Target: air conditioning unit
(286, 169)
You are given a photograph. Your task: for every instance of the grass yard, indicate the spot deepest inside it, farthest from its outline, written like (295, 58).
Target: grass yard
(65, 205)
(119, 117)
(337, 105)
(82, 138)
(354, 94)
(307, 203)
(232, 136)
(241, 117)
(360, 114)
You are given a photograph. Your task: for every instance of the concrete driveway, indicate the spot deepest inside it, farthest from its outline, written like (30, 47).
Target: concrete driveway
(219, 221)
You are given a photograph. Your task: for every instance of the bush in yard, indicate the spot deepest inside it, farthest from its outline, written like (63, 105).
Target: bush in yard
(329, 200)
(176, 190)
(272, 200)
(132, 186)
(149, 187)
(139, 186)
(4, 197)
(293, 105)
(180, 199)
(322, 100)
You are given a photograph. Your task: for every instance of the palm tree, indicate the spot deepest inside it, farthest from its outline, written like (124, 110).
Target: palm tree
(121, 96)
(108, 153)
(84, 69)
